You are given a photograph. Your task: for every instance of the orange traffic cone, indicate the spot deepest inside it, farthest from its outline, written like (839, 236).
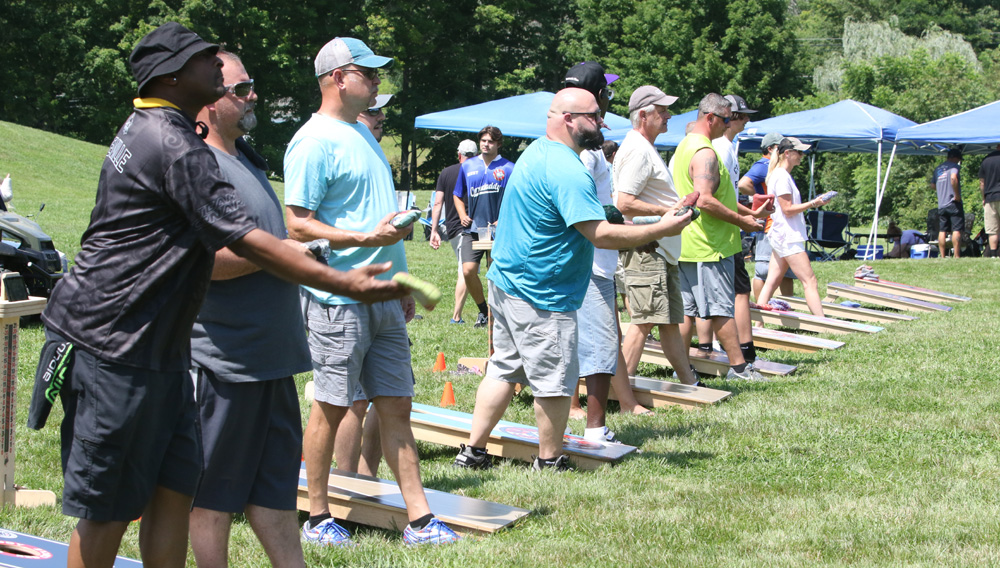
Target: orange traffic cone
(448, 396)
(439, 364)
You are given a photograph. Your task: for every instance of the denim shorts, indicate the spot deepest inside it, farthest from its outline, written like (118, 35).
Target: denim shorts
(597, 329)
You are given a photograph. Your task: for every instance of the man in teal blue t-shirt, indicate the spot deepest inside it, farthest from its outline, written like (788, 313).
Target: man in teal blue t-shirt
(550, 221)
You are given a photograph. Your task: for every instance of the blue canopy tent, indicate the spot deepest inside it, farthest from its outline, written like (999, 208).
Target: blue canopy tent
(666, 141)
(846, 126)
(522, 116)
(973, 131)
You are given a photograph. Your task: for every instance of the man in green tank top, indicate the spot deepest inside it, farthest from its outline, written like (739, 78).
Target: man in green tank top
(710, 243)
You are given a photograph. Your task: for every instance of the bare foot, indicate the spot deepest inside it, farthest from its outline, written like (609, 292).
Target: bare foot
(577, 413)
(638, 410)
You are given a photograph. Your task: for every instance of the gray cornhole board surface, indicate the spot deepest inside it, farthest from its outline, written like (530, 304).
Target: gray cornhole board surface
(895, 301)
(508, 439)
(910, 291)
(810, 322)
(782, 340)
(845, 312)
(379, 503)
(656, 393)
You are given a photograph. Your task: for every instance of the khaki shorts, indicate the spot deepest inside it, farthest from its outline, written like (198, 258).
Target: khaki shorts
(653, 287)
(991, 217)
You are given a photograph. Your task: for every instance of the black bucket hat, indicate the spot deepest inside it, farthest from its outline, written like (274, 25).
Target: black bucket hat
(165, 50)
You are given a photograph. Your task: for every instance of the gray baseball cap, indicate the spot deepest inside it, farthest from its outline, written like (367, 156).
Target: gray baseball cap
(737, 104)
(770, 139)
(341, 51)
(649, 95)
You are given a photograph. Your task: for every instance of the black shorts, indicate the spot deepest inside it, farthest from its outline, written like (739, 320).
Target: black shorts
(465, 252)
(252, 437)
(127, 430)
(741, 283)
(951, 218)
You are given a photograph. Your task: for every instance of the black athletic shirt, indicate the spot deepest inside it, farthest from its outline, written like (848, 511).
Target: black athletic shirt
(989, 172)
(446, 183)
(162, 210)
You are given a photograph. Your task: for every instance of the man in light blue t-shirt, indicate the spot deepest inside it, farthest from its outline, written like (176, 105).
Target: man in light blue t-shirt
(550, 222)
(338, 186)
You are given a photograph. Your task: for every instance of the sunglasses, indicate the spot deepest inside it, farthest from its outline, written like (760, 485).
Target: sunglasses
(595, 116)
(241, 89)
(725, 119)
(373, 112)
(610, 93)
(370, 73)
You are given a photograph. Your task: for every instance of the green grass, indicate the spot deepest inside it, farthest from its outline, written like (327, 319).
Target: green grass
(882, 453)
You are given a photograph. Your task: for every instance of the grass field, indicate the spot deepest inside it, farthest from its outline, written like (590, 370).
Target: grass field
(882, 453)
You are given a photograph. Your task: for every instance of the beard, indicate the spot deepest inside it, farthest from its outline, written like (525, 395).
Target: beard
(589, 139)
(248, 122)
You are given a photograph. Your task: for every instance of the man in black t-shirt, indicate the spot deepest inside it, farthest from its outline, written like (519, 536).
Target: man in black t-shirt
(452, 222)
(129, 441)
(989, 187)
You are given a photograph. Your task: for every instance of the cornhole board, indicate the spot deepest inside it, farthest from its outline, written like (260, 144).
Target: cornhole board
(910, 291)
(856, 314)
(654, 393)
(508, 439)
(10, 317)
(477, 362)
(810, 322)
(711, 363)
(378, 503)
(784, 341)
(835, 291)
(19, 550)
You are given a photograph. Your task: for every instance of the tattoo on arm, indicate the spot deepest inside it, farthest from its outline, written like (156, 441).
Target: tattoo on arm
(709, 171)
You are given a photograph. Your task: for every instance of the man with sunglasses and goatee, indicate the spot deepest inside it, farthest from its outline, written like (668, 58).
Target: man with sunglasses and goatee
(338, 186)
(249, 407)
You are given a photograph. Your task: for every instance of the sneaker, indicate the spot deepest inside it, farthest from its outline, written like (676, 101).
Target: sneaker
(469, 458)
(605, 436)
(458, 321)
(750, 373)
(481, 320)
(560, 465)
(435, 532)
(327, 533)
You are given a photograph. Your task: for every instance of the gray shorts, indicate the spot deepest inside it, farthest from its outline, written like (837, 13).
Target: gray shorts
(708, 288)
(359, 351)
(465, 252)
(653, 287)
(533, 347)
(597, 330)
(251, 435)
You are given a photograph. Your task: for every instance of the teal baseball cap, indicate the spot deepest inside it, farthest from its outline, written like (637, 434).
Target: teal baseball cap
(342, 51)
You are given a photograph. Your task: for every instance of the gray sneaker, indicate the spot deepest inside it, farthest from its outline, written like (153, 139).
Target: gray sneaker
(750, 373)
(472, 459)
(481, 320)
(560, 465)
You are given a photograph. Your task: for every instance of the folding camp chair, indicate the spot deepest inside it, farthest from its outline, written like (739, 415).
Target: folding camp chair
(827, 230)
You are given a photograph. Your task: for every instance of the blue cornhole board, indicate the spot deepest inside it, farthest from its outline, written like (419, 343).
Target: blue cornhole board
(19, 550)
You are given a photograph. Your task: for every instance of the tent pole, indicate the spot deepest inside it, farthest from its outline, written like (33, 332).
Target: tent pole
(880, 193)
(812, 175)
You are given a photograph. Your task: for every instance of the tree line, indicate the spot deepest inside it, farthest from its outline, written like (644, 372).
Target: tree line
(66, 65)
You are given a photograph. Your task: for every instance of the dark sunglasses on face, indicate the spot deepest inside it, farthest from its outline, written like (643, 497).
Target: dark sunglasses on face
(241, 89)
(373, 112)
(725, 119)
(370, 73)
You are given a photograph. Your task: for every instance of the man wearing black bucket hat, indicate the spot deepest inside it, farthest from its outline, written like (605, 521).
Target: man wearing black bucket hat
(129, 440)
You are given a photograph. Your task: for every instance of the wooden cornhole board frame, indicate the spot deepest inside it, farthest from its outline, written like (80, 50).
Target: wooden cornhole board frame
(784, 341)
(656, 393)
(844, 312)
(909, 291)
(508, 439)
(378, 503)
(810, 322)
(19, 550)
(10, 317)
(836, 290)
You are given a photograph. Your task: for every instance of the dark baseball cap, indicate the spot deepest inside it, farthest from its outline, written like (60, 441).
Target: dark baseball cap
(589, 76)
(165, 50)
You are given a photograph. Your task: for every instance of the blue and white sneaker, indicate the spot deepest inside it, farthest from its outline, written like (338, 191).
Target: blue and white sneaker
(435, 532)
(327, 533)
